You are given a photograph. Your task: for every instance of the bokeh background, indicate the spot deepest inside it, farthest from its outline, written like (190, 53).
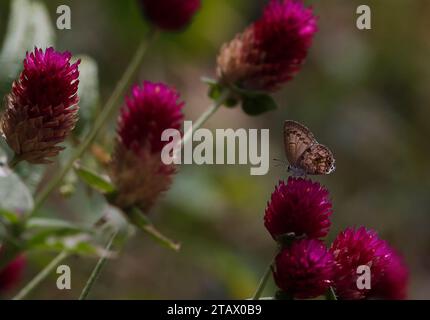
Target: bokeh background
(364, 93)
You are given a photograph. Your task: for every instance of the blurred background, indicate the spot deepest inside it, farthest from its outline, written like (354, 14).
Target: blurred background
(364, 93)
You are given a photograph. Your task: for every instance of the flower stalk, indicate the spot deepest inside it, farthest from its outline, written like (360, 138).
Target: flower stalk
(263, 282)
(14, 161)
(139, 219)
(206, 116)
(41, 276)
(97, 269)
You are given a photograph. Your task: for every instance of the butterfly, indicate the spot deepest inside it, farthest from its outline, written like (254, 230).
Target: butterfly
(305, 155)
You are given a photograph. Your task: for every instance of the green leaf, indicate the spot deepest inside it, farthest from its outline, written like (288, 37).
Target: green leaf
(88, 92)
(255, 104)
(80, 244)
(29, 26)
(30, 174)
(56, 224)
(215, 92)
(9, 216)
(94, 180)
(46, 232)
(14, 195)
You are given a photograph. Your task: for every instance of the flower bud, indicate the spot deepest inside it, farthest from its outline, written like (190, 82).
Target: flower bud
(299, 207)
(170, 15)
(304, 270)
(362, 247)
(41, 109)
(136, 168)
(271, 50)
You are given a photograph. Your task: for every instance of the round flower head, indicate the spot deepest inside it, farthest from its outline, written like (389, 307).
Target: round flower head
(41, 109)
(11, 274)
(301, 207)
(304, 270)
(271, 50)
(394, 284)
(137, 170)
(362, 247)
(170, 15)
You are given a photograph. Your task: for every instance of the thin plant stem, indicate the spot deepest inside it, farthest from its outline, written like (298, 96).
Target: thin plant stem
(108, 109)
(263, 282)
(97, 270)
(139, 219)
(204, 117)
(44, 273)
(41, 276)
(14, 161)
(330, 294)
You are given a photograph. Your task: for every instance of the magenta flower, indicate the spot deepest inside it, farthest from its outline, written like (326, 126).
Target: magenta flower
(394, 284)
(137, 169)
(356, 247)
(304, 270)
(301, 207)
(42, 108)
(270, 51)
(170, 15)
(11, 274)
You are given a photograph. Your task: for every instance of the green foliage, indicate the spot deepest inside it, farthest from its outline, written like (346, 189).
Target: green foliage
(142, 222)
(14, 194)
(29, 26)
(88, 93)
(94, 180)
(253, 103)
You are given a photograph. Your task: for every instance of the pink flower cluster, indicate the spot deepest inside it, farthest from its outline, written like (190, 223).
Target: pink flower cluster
(41, 109)
(11, 274)
(136, 169)
(271, 50)
(299, 211)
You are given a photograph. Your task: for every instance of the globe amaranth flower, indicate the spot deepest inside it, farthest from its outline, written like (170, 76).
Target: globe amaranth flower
(136, 169)
(301, 207)
(170, 15)
(394, 284)
(11, 274)
(271, 50)
(304, 270)
(42, 108)
(362, 247)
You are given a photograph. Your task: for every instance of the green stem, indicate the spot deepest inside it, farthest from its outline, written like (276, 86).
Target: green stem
(139, 219)
(41, 276)
(330, 294)
(97, 270)
(14, 161)
(105, 114)
(263, 282)
(205, 116)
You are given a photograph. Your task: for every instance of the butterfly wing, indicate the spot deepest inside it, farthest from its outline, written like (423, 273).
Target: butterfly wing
(317, 159)
(297, 138)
